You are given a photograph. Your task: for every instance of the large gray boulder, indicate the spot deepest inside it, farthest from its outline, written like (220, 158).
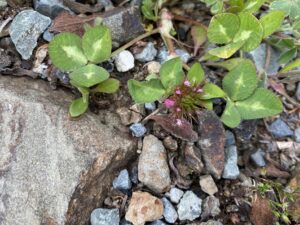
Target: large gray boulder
(54, 171)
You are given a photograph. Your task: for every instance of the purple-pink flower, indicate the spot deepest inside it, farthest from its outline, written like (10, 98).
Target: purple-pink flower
(178, 122)
(178, 92)
(187, 83)
(169, 103)
(178, 109)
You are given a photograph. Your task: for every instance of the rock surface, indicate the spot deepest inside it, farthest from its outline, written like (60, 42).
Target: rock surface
(189, 207)
(211, 142)
(153, 168)
(52, 168)
(105, 217)
(211, 207)
(170, 213)
(25, 29)
(175, 194)
(144, 208)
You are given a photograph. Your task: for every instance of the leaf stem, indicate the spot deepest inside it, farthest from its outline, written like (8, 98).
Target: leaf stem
(132, 42)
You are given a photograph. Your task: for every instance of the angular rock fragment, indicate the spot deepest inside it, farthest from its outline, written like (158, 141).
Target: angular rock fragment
(144, 208)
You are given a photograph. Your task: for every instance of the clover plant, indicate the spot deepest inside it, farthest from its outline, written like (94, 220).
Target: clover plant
(241, 31)
(184, 94)
(79, 57)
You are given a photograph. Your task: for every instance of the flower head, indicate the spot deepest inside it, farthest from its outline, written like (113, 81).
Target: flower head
(187, 83)
(178, 92)
(178, 122)
(169, 103)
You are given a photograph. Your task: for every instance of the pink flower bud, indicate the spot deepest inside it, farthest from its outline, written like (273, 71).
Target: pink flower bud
(187, 83)
(178, 92)
(178, 122)
(178, 109)
(169, 103)
(199, 90)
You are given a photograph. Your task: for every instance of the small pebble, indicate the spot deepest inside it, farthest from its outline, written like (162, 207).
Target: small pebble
(138, 129)
(122, 182)
(211, 207)
(153, 67)
(47, 36)
(229, 138)
(124, 61)
(170, 143)
(163, 55)
(147, 54)
(231, 169)
(258, 158)
(189, 207)
(280, 129)
(134, 175)
(297, 134)
(105, 217)
(170, 213)
(208, 184)
(175, 194)
(150, 106)
(184, 55)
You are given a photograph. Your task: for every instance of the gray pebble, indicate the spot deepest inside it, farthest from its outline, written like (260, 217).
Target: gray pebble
(147, 54)
(170, 213)
(258, 158)
(231, 169)
(122, 182)
(211, 207)
(47, 36)
(175, 195)
(297, 134)
(189, 207)
(150, 106)
(125, 222)
(229, 138)
(25, 29)
(163, 55)
(280, 129)
(3, 4)
(138, 129)
(102, 216)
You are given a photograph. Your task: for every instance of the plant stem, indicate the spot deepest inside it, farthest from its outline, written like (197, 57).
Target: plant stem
(189, 20)
(132, 42)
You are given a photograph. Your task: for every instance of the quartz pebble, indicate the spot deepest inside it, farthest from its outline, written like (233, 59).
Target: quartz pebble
(124, 61)
(175, 194)
(170, 213)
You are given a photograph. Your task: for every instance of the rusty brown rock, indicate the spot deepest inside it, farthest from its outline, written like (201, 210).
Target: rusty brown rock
(54, 170)
(211, 142)
(144, 208)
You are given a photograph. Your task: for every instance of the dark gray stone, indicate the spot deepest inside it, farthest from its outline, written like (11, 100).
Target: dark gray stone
(258, 158)
(122, 182)
(138, 129)
(25, 29)
(50, 8)
(231, 169)
(211, 207)
(125, 222)
(280, 129)
(170, 213)
(105, 217)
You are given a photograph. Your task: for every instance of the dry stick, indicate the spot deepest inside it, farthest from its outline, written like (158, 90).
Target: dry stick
(189, 20)
(268, 58)
(286, 74)
(132, 42)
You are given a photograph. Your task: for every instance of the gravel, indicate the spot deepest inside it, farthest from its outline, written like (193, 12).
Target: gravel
(280, 129)
(147, 54)
(208, 184)
(229, 138)
(138, 129)
(175, 194)
(258, 158)
(170, 213)
(102, 216)
(122, 182)
(189, 207)
(231, 169)
(124, 61)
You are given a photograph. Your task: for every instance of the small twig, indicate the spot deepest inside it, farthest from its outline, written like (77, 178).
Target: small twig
(186, 67)
(188, 20)
(3, 25)
(268, 58)
(286, 74)
(132, 42)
